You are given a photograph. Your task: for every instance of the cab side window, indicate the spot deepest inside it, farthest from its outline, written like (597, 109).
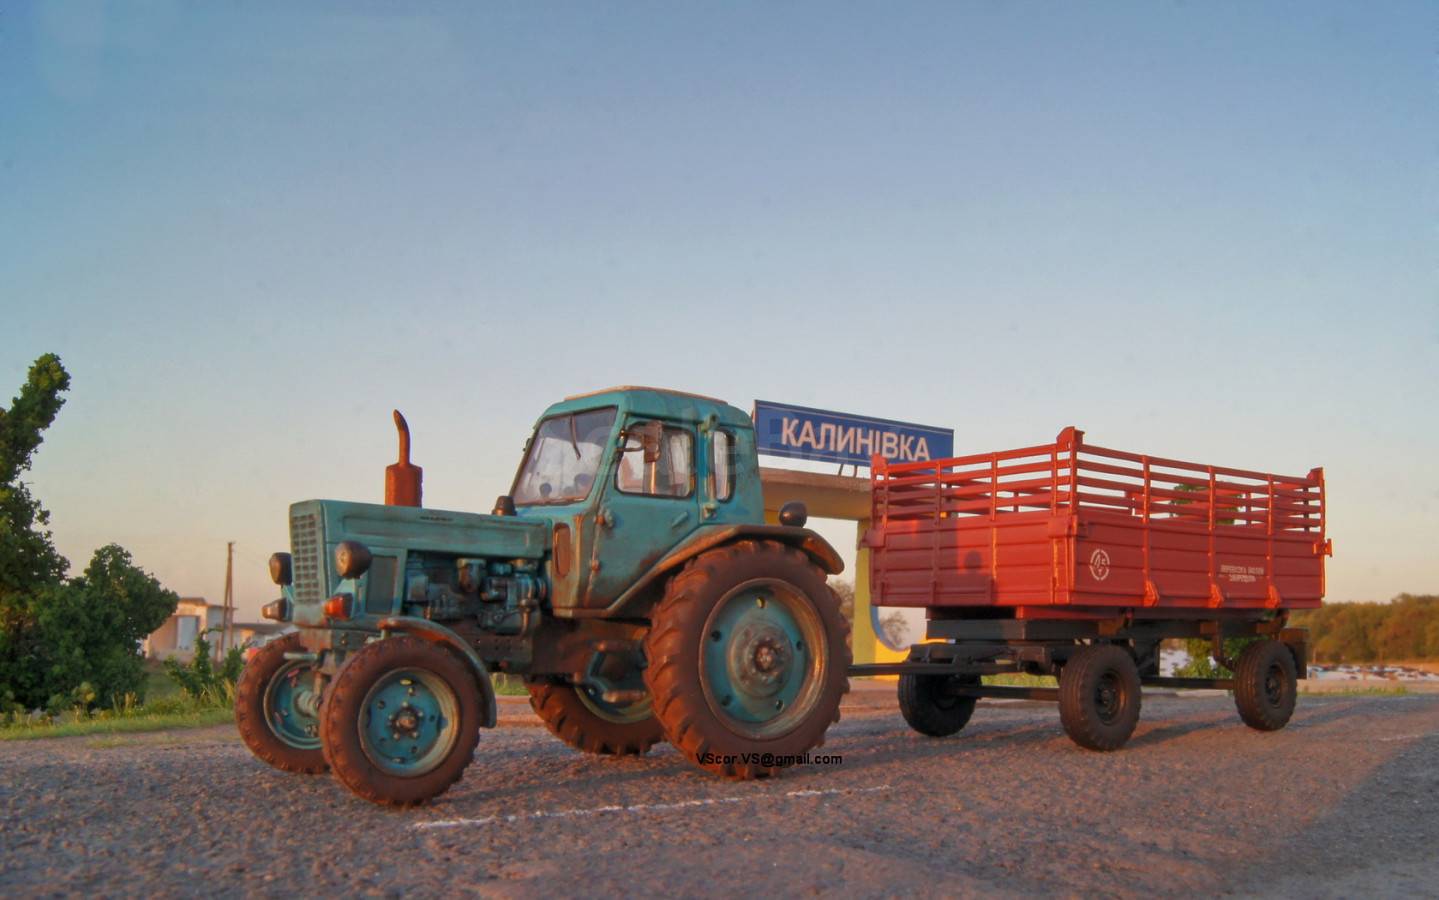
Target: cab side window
(672, 475)
(722, 465)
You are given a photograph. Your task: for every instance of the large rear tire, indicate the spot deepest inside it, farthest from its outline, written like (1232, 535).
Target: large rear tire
(1266, 685)
(401, 721)
(1099, 697)
(277, 709)
(748, 659)
(930, 706)
(591, 725)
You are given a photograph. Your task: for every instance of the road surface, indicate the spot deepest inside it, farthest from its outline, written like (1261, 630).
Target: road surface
(1341, 803)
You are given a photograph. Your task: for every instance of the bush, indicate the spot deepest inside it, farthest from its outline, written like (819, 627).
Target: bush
(200, 680)
(1201, 662)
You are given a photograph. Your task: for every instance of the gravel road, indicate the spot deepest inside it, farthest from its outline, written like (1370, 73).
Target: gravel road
(1342, 803)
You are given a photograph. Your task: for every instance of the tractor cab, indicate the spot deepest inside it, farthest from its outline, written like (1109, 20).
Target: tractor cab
(624, 476)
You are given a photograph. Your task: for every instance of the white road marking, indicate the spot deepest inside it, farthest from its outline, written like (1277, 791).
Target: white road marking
(1407, 737)
(638, 808)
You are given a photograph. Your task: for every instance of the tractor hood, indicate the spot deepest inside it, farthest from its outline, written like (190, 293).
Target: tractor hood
(391, 533)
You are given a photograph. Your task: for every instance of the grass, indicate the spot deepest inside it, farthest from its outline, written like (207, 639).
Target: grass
(119, 725)
(160, 715)
(508, 685)
(1021, 679)
(1396, 691)
(166, 707)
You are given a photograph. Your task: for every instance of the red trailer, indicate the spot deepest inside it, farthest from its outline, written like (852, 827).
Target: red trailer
(1075, 560)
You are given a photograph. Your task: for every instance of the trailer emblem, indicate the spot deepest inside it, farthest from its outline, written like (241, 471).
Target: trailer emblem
(1099, 565)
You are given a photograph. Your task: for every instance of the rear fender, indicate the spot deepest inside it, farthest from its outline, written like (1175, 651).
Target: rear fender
(423, 628)
(639, 594)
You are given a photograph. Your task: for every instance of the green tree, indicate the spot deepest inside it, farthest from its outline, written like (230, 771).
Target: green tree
(62, 643)
(28, 559)
(30, 566)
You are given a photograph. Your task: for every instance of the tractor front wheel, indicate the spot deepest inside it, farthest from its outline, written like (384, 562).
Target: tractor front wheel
(401, 721)
(747, 659)
(277, 706)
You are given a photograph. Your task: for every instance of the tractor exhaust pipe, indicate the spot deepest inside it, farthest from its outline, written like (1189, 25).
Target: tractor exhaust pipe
(402, 480)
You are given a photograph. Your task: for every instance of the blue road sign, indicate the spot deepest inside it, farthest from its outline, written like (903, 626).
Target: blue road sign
(803, 433)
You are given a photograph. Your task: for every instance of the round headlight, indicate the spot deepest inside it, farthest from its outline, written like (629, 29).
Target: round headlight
(281, 568)
(352, 559)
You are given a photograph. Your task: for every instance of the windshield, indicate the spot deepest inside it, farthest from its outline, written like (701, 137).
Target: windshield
(564, 456)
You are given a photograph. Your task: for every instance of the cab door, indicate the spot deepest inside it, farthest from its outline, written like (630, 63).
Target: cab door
(648, 505)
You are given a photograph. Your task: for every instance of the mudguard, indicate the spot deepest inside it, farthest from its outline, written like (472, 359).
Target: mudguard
(423, 628)
(814, 546)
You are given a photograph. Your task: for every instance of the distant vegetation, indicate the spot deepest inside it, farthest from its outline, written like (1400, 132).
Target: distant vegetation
(1404, 629)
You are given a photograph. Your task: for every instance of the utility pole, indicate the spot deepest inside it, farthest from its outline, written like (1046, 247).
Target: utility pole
(225, 623)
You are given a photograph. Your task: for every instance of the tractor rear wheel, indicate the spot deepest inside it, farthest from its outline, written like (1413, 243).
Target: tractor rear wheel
(930, 705)
(586, 722)
(748, 659)
(1099, 697)
(1265, 685)
(277, 708)
(401, 721)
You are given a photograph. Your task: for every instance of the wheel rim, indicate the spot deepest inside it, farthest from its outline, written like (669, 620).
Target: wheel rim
(409, 722)
(764, 658)
(601, 677)
(1274, 685)
(292, 706)
(1108, 697)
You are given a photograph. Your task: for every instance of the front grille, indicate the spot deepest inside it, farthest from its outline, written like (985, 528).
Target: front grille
(306, 551)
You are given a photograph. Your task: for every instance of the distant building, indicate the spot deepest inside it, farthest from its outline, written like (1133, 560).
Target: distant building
(177, 636)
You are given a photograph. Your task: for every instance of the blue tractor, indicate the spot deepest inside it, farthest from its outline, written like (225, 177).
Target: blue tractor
(628, 577)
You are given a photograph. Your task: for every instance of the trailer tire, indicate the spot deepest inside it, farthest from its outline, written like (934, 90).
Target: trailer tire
(1099, 697)
(278, 729)
(748, 659)
(932, 710)
(1266, 685)
(401, 721)
(582, 723)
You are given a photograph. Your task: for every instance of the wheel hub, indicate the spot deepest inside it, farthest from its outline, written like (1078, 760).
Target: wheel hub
(410, 722)
(761, 672)
(406, 723)
(1273, 685)
(292, 707)
(1106, 699)
(759, 658)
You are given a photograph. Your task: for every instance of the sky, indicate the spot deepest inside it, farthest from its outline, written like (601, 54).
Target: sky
(1203, 230)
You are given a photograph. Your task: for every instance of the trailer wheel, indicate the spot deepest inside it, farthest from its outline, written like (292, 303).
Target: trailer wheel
(1099, 697)
(930, 706)
(1265, 685)
(591, 725)
(277, 709)
(401, 721)
(747, 659)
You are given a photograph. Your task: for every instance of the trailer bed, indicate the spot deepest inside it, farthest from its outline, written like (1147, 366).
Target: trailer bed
(1073, 530)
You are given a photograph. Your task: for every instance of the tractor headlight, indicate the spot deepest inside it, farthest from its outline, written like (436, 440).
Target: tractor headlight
(352, 559)
(281, 569)
(278, 611)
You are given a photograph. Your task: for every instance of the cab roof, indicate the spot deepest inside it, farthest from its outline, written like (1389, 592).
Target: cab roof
(659, 403)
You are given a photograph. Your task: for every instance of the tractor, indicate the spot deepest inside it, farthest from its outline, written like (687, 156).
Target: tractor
(629, 578)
